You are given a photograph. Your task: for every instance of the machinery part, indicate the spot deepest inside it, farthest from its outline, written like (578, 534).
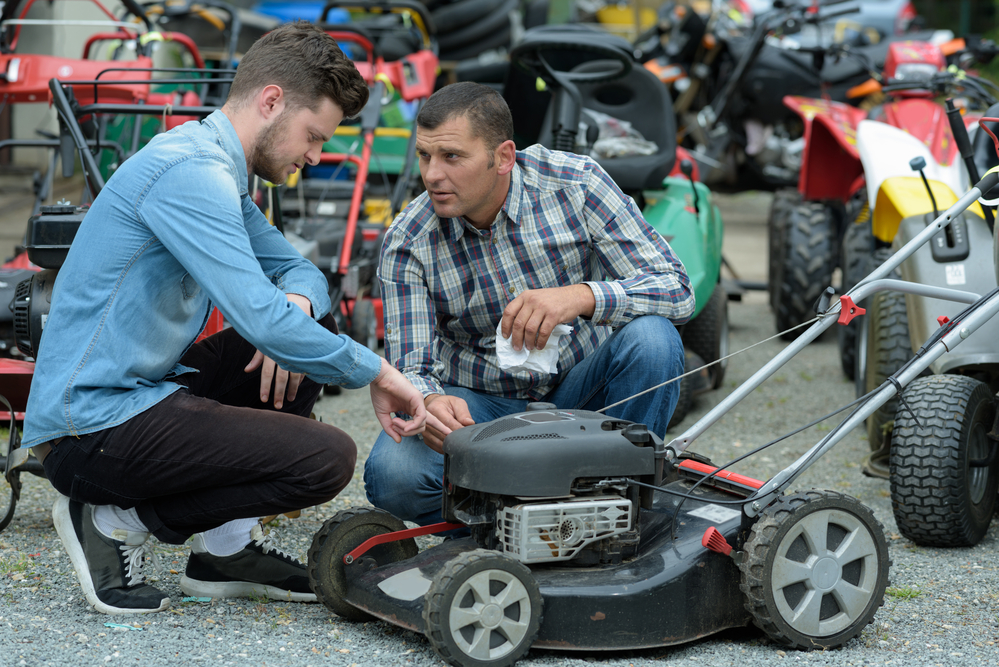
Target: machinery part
(944, 469)
(31, 304)
(364, 325)
(543, 532)
(855, 253)
(888, 349)
(482, 609)
(342, 533)
(807, 259)
(816, 569)
(707, 334)
(781, 205)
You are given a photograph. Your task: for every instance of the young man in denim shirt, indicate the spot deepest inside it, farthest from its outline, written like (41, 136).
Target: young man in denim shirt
(527, 240)
(145, 432)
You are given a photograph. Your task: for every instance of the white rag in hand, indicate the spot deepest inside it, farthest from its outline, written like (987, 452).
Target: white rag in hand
(537, 361)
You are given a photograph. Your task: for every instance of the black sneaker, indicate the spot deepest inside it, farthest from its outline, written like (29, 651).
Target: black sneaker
(259, 569)
(109, 568)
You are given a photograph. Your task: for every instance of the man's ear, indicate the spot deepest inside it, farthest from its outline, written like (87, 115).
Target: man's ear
(270, 101)
(506, 157)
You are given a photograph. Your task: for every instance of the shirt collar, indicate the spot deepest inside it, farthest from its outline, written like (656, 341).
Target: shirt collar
(230, 143)
(511, 207)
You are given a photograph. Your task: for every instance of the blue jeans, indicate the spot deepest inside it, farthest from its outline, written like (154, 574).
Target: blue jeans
(406, 478)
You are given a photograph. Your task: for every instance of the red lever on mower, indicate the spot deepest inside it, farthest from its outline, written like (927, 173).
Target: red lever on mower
(714, 541)
(848, 310)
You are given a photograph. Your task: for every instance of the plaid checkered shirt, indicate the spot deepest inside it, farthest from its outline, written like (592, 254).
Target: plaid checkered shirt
(445, 283)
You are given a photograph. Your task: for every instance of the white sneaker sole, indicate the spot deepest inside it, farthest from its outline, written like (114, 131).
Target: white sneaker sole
(240, 589)
(67, 533)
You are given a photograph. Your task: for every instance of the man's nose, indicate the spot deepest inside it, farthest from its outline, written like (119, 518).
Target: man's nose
(433, 172)
(312, 155)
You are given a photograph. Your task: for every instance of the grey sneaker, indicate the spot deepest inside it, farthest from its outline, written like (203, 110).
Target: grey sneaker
(259, 569)
(109, 568)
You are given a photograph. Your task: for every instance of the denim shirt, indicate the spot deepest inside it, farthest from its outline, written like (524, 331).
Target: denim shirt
(172, 234)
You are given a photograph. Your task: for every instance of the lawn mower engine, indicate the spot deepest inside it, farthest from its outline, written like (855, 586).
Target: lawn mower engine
(551, 485)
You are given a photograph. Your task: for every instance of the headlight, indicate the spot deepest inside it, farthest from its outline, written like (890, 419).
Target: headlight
(909, 72)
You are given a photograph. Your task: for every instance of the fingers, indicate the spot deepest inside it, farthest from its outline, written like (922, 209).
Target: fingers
(258, 357)
(266, 378)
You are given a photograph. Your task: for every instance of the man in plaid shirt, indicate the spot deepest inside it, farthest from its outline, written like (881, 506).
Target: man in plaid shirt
(534, 238)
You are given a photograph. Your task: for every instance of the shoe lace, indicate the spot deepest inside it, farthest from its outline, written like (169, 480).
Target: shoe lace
(266, 543)
(135, 557)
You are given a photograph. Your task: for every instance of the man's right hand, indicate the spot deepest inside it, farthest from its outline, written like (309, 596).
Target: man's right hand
(450, 411)
(392, 392)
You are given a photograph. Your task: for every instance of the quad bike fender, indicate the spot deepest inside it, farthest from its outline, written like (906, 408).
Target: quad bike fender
(976, 274)
(695, 237)
(885, 152)
(830, 163)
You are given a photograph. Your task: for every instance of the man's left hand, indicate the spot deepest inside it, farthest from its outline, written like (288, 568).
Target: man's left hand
(285, 383)
(534, 314)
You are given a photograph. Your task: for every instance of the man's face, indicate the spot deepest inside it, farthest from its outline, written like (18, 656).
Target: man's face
(460, 174)
(293, 139)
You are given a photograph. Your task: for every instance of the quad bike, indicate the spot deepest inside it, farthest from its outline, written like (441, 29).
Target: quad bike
(811, 227)
(588, 70)
(857, 186)
(607, 537)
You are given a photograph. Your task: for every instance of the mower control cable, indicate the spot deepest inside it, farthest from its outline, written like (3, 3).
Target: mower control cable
(716, 361)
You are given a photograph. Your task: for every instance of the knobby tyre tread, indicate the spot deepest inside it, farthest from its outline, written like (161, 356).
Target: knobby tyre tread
(707, 334)
(808, 258)
(857, 248)
(781, 205)
(937, 497)
(888, 349)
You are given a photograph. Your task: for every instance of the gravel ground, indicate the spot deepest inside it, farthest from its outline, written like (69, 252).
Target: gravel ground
(942, 607)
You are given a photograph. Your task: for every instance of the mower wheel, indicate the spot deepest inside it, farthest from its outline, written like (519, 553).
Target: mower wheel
(482, 609)
(944, 469)
(888, 349)
(342, 533)
(781, 205)
(858, 246)
(816, 569)
(364, 324)
(807, 260)
(707, 334)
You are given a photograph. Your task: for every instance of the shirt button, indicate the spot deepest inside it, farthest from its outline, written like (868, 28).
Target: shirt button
(511, 290)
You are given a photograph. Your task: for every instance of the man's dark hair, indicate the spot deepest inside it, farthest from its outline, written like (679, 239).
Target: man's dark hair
(306, 63)
(486, 111)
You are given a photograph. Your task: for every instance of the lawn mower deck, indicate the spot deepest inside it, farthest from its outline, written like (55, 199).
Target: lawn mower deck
(673, 591)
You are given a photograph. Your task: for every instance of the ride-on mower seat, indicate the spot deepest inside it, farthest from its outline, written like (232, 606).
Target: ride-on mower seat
(641, 99)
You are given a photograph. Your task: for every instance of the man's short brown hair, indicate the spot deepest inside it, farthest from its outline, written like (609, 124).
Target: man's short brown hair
(488, 115)
(308, 66)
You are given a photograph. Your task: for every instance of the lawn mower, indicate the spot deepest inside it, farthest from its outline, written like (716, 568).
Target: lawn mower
(590, 533)
(591, 76)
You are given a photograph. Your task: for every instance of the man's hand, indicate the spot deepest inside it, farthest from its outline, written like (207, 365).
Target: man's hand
(534, 314)
(285, 383)
(451, 412)
(392, 392)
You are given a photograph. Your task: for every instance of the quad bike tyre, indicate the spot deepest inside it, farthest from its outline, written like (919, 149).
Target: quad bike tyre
(888, 349)
(944, 469)
(807, 255)
(816, 569)
(781, 205)
(689, 386)
(857, 248)
(482, 610)
(707, 334)
(342, 533)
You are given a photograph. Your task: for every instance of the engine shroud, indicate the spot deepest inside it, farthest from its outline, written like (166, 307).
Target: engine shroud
(540, 453)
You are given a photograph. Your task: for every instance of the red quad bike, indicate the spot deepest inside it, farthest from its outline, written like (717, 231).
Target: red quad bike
(811, 227)
(47, 239)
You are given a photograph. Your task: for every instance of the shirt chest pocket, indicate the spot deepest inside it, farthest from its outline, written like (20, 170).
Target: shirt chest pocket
(189, 286)
(548, 270)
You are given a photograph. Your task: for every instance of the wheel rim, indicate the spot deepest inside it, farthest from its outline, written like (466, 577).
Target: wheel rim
(979, 448)
(490, 615)
(825, 572)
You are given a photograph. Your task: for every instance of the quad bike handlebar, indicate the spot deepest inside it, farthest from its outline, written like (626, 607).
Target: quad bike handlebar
(417, 10)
